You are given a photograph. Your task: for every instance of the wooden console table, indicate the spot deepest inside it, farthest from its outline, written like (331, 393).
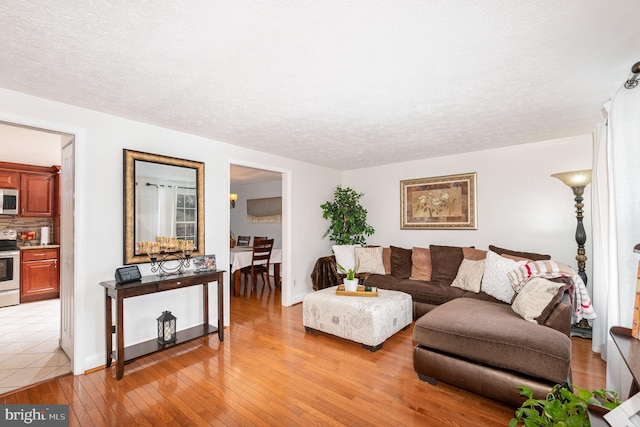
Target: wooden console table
(150, 285)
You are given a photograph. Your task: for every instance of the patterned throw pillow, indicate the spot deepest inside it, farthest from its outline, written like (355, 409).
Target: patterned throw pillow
(469, 275)
(495, 281)
(370, 260)
(345, 256)
(535, 297)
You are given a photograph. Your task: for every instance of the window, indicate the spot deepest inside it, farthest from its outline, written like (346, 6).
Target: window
(186, 216)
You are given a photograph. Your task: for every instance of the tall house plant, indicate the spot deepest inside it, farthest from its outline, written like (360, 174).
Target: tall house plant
(348, 218)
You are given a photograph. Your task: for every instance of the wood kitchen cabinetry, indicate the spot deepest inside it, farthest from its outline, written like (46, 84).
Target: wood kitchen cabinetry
(38, 185)
(36, 194)
(39, 274)
(9, 179)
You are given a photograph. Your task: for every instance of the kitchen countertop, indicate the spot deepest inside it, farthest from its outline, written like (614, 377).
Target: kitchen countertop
(28, 247)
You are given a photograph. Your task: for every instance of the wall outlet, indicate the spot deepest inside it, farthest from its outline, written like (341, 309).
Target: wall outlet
(294, 282)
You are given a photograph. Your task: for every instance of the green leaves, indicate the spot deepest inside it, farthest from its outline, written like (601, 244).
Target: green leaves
(348, 218)
(351, 273)
(561, 407)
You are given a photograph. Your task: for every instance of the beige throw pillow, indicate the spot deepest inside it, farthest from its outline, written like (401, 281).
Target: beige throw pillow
(535, 296)
(369, 260)
(469, 275)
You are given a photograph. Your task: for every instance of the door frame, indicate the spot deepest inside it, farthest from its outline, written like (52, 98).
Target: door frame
(285, 267)
(79, 139)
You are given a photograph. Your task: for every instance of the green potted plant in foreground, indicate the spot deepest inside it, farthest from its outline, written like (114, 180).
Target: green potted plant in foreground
(562, 407)
(350, 282)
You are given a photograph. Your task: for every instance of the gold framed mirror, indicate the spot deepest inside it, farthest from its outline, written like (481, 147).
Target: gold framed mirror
(163, 196)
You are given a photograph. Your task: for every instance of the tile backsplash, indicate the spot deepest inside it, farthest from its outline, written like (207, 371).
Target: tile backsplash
(27, 224)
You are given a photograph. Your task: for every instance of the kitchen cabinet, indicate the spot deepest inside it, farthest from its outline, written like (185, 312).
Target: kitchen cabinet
(39, 188)
(9, 179)
(36, 195)
(39, 274)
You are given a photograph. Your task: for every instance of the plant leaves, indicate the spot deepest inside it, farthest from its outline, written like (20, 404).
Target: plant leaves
(348, 218)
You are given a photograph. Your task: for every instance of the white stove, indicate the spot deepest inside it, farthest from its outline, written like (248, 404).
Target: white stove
(9, 268)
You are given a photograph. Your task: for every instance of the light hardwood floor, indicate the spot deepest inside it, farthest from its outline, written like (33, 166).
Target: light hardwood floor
(268, 371)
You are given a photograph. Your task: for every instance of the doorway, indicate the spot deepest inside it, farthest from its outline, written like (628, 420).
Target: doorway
(251, 184)
(58, 321)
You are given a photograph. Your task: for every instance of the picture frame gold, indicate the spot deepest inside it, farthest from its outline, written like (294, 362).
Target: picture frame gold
(437, 203)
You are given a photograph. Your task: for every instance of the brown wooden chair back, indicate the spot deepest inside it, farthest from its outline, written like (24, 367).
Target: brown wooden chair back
(262, 251)
(259, 238)
(243, 240)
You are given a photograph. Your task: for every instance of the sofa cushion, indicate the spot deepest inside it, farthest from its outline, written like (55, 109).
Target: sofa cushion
(492, 334)
(400, 262)
(537, 298)
(474, 254)
(495, 281)
(345, 256)
(386, 260)
(369, 259)
(445, 261)
(422, 292)
(420, 264)
(526, 255)
(469, 275)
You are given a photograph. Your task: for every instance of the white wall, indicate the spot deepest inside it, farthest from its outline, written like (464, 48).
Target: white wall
(519, 205)
(239, 224)
(100, 139)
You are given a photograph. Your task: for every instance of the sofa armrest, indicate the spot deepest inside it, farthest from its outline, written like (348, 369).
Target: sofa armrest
(560, 317)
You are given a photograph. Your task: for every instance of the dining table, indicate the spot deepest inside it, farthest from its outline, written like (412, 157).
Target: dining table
(242, 256)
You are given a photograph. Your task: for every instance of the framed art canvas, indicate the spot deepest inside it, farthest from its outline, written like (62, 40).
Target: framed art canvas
(442, 202)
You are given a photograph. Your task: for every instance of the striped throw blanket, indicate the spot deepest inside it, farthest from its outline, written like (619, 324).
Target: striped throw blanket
(582, 307)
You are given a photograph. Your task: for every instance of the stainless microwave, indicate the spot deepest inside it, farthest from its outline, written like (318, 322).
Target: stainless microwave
(8, 202)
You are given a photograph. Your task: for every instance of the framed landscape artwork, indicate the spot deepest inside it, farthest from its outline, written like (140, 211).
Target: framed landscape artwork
(442, 202)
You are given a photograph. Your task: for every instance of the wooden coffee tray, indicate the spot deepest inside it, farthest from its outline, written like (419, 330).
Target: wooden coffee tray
(359, 293)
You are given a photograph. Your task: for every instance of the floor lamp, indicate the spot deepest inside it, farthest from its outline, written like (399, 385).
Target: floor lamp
(578, 180)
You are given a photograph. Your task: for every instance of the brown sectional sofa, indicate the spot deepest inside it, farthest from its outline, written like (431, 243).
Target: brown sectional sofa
(471, 339)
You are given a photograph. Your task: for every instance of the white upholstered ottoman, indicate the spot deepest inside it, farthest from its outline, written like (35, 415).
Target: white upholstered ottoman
(366, 320)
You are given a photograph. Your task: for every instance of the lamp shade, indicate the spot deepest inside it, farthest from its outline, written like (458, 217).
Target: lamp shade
(575, 178)
(233, 197)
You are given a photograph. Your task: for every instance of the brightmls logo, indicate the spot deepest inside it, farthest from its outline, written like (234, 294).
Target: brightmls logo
(34, 415)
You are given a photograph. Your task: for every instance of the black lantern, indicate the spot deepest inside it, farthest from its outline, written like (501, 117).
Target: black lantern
(166, 328)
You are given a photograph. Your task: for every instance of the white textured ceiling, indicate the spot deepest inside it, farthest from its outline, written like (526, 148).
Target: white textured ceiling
(346, 84)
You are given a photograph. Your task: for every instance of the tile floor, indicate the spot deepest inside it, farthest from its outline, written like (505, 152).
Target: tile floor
(29, 350)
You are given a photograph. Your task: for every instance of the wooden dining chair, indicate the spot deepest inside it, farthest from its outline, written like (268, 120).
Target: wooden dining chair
(259, 263)
(243, 240)
(259, 238)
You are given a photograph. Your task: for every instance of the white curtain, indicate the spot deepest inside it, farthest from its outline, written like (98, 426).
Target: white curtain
(155, 211)
(616, 226)
(167, 211)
